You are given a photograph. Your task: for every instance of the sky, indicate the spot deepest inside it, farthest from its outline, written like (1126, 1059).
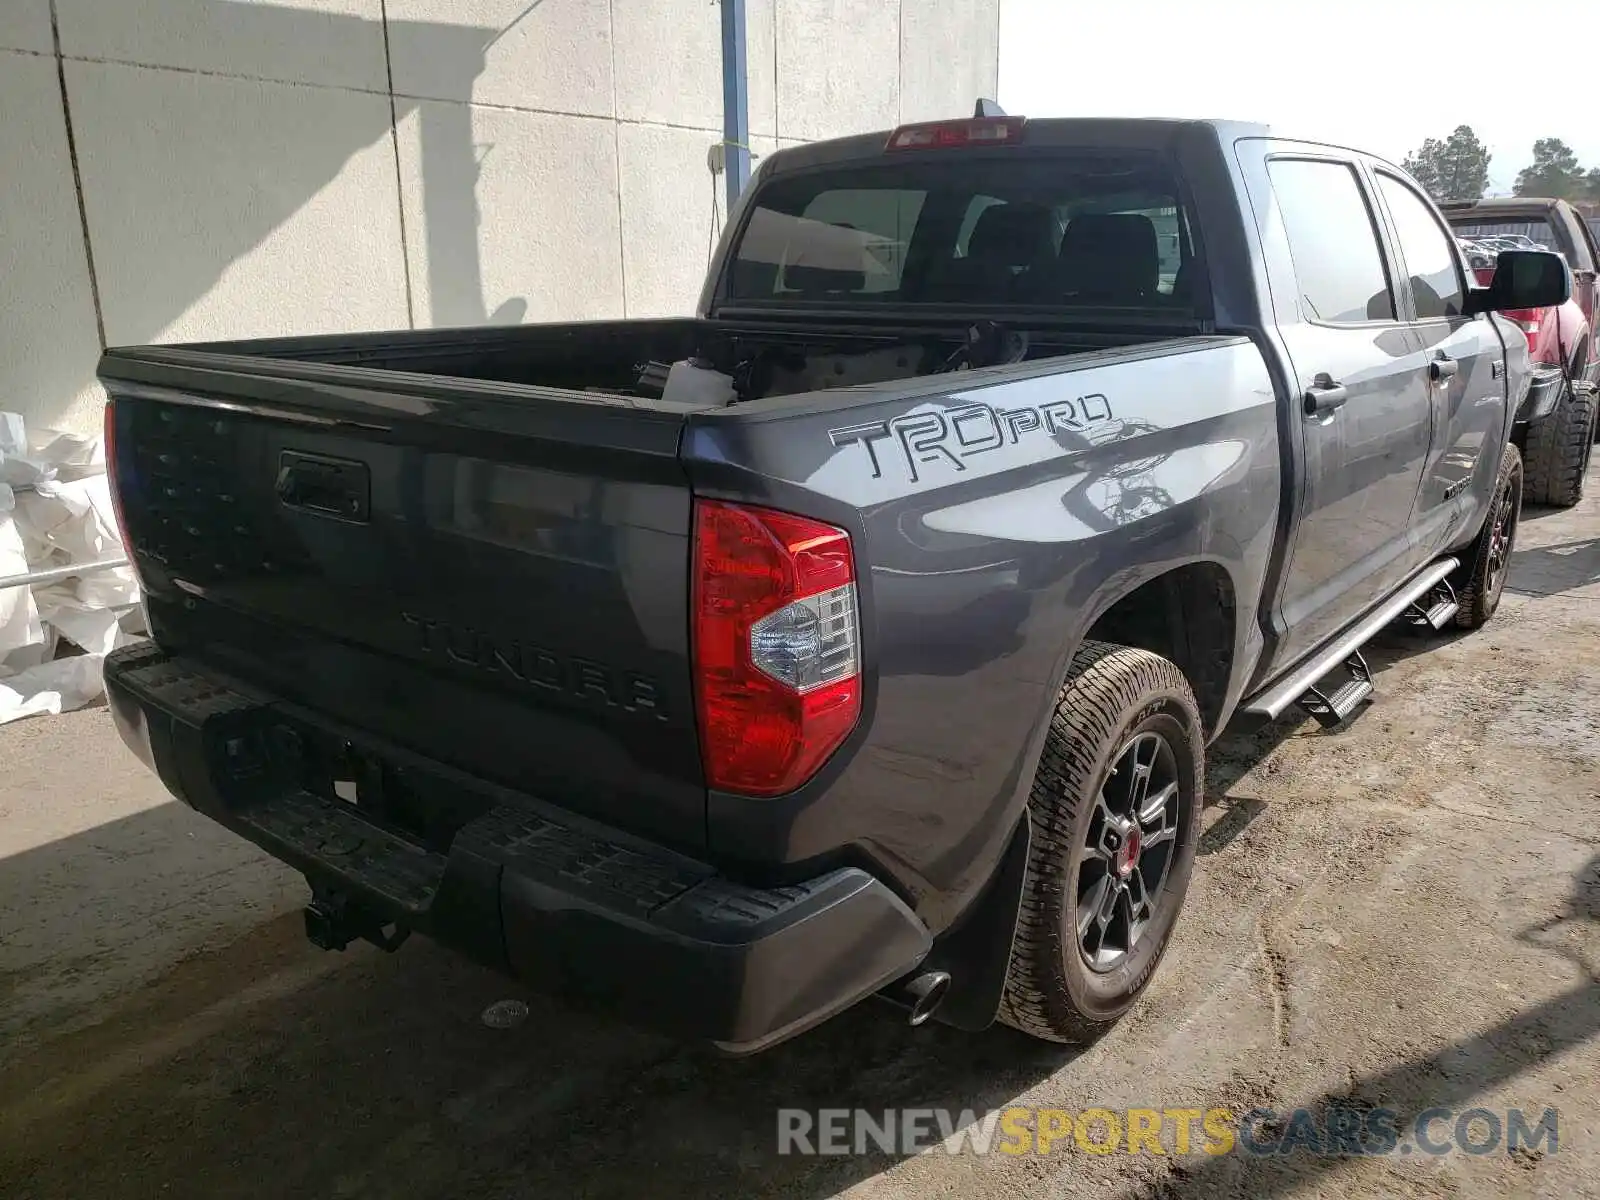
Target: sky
(1379, 77)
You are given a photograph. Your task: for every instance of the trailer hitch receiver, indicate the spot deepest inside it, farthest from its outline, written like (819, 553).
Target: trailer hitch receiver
(333, 921)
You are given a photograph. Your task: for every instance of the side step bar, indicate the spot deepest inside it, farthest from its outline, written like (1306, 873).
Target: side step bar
(1436, 611)
(1273, 702)
(1331, 708)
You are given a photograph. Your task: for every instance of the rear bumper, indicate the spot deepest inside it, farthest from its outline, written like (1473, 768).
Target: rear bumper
(1543, 392)
(618, 924)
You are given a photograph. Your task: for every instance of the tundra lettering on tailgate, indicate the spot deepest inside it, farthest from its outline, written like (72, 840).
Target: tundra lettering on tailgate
(957, 434)
(578, 678)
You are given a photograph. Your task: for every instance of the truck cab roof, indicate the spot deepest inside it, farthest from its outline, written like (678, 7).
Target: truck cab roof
(1503, 206)
(1121, 133)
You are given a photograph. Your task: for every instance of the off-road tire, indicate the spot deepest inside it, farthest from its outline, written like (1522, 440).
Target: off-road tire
(1111, 694)
(1481, 579)
(1558, 450)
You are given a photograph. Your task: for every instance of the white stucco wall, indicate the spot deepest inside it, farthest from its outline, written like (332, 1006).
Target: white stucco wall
(251, 168)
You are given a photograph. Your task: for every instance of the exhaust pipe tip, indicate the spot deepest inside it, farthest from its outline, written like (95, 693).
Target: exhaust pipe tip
(925, 993)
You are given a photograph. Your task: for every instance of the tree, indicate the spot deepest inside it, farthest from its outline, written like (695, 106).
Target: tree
(1554, 172)
(1454, 169)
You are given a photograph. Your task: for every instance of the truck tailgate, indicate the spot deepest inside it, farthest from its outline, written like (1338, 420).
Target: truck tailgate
(492, 576)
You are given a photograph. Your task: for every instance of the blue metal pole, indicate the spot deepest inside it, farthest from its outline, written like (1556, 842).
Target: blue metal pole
(735, 101)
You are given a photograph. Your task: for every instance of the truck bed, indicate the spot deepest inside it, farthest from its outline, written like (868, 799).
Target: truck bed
(608, 357)
(578, 355)
(493, 573)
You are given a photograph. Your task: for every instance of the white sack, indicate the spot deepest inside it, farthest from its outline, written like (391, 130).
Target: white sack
(52, 687)
(20, 625)
(56, 511)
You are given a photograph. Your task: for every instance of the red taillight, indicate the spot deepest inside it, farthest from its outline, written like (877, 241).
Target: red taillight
(776, 646)
(111, 475)
(942, 135)
(1539, 327)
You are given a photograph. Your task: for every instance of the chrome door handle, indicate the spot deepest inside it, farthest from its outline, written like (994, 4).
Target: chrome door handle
(1324, 395)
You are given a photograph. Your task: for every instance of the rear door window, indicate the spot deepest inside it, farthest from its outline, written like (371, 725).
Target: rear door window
(1590, 251)
(1432, 268)
(1338, 263)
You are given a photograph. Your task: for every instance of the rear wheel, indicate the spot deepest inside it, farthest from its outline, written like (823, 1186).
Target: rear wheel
(1116, 818)
(1482, 578)
(1558, 450)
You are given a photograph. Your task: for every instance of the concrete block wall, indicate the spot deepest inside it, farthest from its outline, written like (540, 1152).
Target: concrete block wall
(175, 170)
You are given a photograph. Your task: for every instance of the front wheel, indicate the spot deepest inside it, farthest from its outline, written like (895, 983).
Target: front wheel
(1481, 579)
(1116, 820)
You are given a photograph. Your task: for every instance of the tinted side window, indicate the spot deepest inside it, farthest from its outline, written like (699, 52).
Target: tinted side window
(1430, 262)
(1337, 262)
(1590, 230)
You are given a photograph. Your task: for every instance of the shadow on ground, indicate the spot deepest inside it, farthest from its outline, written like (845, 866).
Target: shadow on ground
(1453, 1077)
(268, 1068)
(1251, 747)
(1550, 570)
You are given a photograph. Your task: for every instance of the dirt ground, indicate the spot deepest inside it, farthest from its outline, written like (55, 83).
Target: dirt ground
(1404, 912)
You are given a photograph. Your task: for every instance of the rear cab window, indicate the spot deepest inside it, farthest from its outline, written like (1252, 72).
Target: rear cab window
(1057, 229)
(1524, 233)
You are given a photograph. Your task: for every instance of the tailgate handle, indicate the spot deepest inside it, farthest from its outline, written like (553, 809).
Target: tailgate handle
(329, 487)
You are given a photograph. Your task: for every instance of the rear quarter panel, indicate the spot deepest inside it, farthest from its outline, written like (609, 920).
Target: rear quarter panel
(994, 521)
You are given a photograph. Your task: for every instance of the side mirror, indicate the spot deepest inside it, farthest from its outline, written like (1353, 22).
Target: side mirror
(1524, 279)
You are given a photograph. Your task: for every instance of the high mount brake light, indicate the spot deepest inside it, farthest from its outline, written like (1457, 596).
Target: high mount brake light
(777, 646)
(945, 135)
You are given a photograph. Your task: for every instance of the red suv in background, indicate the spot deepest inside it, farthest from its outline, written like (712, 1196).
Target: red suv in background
(1557, 423)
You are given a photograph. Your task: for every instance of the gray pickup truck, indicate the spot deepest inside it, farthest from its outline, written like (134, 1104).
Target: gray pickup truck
(862, 634)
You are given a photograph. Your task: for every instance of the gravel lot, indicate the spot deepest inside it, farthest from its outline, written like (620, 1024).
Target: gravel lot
(1404, 912)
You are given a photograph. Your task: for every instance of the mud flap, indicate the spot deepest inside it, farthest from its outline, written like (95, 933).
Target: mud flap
(976, 950)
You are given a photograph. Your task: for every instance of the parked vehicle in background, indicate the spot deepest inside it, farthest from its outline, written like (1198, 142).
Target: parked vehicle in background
(1480, 257)
(1558, 423)
(1499, 242)
(864, 632)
